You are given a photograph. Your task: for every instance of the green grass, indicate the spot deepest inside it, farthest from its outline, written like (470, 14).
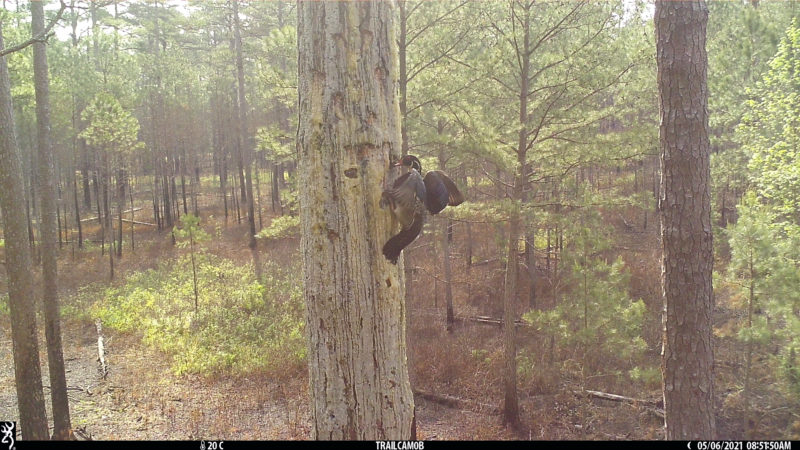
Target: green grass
(281, 227)
(241, 326)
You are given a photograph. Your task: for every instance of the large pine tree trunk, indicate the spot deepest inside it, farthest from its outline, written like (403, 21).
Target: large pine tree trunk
(349, 132)
(27, 373)
(685, 206)
(47, 190)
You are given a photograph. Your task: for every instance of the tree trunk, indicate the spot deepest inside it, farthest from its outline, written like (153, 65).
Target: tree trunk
(685, 207)
(58, 220)
(97, 197)
(276, 190)
(27, 373)
(108, 221)
(245, 148)
(236, 200)
(511, 403)
(448, 273)
(194, 271)
(87, 190)
(258, 195)
(31, 237)
(121, 181)
(167, 201)
(749, 346)
(52, 316)
(401, 44)
(77, 210)
(183, 188)
(175, 205)
(223, 176)
(156, 207)
(133, 216)
(349, 133)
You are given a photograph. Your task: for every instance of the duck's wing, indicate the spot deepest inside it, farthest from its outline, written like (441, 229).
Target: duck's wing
(440, 191)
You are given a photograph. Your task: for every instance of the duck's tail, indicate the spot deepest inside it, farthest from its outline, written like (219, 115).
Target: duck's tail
(396, 244)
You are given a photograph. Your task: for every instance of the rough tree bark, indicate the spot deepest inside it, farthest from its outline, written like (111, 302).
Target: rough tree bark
(47, 191)
(349, 133)
(27, 373)
(685, 205)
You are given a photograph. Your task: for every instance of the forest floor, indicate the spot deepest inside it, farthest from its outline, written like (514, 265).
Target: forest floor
(456, 375)
(141, 399)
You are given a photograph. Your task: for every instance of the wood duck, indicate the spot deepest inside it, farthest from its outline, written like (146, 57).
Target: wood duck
(411, 196)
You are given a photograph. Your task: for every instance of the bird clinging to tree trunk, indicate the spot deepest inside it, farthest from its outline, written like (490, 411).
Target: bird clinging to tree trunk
(410, 196)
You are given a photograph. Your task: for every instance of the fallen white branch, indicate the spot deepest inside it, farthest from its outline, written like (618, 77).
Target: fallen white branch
(101, 351)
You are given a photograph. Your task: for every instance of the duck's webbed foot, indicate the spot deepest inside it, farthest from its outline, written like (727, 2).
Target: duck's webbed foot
(386, 200)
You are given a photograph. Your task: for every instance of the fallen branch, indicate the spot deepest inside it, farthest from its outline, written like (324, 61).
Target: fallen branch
(68, 388)
(138, 223)
(486, 320)
(123, 212)
(457, 403)
(101, 352)
(651, 406)
(620, 398)
(484, 262)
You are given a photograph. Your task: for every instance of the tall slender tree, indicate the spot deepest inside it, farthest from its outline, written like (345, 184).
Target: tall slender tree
(538, 80)
(687, 356)
(349, 133)
(27, 373)
(244, 139)
(47, 191)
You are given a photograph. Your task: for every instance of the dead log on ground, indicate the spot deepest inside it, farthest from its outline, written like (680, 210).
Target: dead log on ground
(651, 406)
(101, 351)
(486, 320)
(457, 403)
(484, 262)
(123, 212)
(138, 223)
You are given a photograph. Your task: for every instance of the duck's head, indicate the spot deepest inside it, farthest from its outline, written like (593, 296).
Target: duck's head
(409, 161)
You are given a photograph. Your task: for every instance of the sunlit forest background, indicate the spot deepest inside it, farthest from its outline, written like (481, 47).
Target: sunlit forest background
(158, 162)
